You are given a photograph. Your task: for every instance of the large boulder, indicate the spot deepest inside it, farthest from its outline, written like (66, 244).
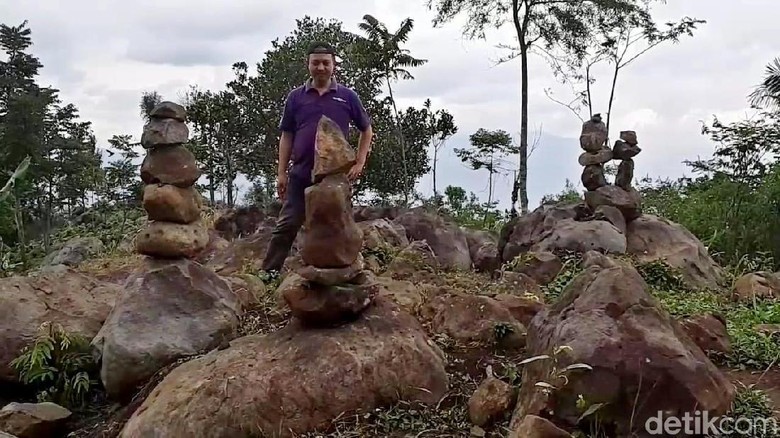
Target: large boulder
(296, 380)
(169, 309)
(756, 285)
(581, 237)
(523, 232)
(447, 240)
(607, 320)
(483, 248)
(652, 238)
(74, 251)
(77, 302)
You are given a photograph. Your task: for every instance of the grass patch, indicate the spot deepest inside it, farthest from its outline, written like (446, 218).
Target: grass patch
(751, 349)
(752, 404)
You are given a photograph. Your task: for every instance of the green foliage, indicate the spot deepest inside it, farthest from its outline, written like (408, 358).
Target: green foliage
(467, 210)
(572, 267)
(733, 207)
(569, 195)
(753, 404)
(58, 365)
(751, 349)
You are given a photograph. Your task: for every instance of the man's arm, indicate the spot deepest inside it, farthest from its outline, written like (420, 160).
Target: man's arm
(285, 148)
(363, 122)
(364, 145)
(287, 126)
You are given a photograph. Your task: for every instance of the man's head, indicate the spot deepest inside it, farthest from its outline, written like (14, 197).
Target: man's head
(321, 58)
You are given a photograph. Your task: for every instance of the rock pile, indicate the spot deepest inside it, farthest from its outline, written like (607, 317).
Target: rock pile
(332, 287)
(172, 204)
(609, 201)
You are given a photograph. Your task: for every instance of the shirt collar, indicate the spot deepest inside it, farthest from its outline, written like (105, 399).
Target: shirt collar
(333, 84)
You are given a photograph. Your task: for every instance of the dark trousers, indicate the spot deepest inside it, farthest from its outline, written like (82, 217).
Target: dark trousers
(291, 218)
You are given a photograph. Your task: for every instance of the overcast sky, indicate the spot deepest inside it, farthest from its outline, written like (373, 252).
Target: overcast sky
(103, 54)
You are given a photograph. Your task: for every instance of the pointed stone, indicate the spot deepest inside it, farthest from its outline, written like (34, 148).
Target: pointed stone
(629, 137)
(333, 154)
(594, 134)
(625, 174)
(624, 151)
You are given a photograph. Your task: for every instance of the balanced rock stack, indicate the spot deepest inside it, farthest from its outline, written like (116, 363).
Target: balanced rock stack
(593, 140)
(625, 149)
(609, 200)
(169, 172)
(333, 286)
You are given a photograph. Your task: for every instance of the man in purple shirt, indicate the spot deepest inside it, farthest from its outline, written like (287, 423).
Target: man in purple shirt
(320, 95)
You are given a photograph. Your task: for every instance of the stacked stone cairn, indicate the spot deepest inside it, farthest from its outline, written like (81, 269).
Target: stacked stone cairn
(169, 171)
(609, 201)
(334, 287)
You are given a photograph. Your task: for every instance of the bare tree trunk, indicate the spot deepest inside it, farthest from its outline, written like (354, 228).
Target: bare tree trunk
(522, 178)
(612, 96)
(435, 192)
(402, 142)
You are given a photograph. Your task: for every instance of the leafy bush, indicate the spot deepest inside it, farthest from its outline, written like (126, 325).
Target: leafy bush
(58, 366)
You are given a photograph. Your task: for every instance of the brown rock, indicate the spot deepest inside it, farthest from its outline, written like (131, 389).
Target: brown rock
(333, 154)
(33, 420)
(625, 174)
(409, 263)
(612, 215)
(756, 285)
(651, 238)
(492, 399)
(634, 351)
(473, 319)
(169, 203)
(594, 134)
(627, 201)
(629, 137)
(624, 151)
(517, 283)
(592, 158)
(172, 240)
(320, 306)
(596, 259)
(708, 332)
(296, 380)
(593, 177)
(382, 233)
(541, 266)
(169, 110)
(168, 309)
(523, 232)
(523, 308)
(537, 427)
(483, 250)
(581, 237)
(331, 238)
(331, 276)
(164, 132)
(170, 165)
(77, 302)
(403, 293)
(448, 241)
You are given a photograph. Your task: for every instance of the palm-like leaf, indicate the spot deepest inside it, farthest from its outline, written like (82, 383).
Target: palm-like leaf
(767, 94)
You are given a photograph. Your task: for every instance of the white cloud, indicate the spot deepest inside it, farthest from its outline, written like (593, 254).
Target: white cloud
(103, 55)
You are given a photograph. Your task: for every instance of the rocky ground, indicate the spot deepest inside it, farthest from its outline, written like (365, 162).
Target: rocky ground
(469, 335)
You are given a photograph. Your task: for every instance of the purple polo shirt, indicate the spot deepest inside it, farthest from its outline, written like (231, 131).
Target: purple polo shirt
(302, 111)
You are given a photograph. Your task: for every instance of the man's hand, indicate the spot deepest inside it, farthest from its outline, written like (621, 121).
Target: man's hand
(281, 185)
(355, 171)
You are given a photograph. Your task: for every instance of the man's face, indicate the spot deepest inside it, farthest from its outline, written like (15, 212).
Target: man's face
(321, 66)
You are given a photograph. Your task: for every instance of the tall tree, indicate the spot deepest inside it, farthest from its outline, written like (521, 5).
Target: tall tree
(391, 62)
(561, 26)
(618, 39)
(767, 94)
(488, 149)
(441, 126)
